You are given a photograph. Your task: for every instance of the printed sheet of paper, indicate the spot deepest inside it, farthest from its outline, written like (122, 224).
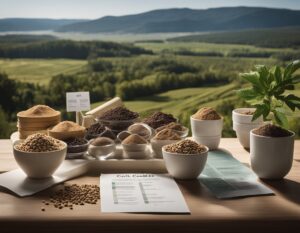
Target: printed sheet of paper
(226, 177)
(141, 193)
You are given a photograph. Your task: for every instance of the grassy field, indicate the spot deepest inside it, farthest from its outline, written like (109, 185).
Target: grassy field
(39, 70)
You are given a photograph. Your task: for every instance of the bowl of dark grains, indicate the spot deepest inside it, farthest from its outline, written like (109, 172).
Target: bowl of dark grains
(76, 147)
(159, 119)
(185, 159)
(94, 131)
(118, 119)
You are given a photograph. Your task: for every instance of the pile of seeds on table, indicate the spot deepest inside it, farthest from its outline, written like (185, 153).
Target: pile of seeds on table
(74, 194)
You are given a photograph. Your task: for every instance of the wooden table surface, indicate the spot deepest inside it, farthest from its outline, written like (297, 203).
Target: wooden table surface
(278, 213)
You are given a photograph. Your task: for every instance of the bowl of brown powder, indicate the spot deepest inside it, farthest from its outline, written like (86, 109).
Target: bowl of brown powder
(159, 119)
(101, 147)
(181, 130)
(135, 147)
(185, 159)
(207, 125)
(162, 138)
(39, 155)
(66, 130)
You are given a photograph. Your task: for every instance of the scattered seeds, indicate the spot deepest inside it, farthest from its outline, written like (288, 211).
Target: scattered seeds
(74, 194)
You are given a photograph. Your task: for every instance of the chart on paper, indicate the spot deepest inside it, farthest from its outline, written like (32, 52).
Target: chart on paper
(140, 193)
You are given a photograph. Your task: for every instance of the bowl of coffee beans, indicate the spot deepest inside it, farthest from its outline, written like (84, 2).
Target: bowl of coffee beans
(185, 159)
(39, 155)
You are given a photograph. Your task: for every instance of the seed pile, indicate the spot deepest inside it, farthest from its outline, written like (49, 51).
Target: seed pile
(185, 147)
(119, 114)
(167, 134)
(39, 143)
(134, 139)
(159, 119)
(101, 141)
(67, 126)
(95, 129)
(172, 125)
(270, 130)
(74, 194)
(206, 114)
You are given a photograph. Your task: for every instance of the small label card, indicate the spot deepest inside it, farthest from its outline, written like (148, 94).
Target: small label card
(142, 193)
(78, 101)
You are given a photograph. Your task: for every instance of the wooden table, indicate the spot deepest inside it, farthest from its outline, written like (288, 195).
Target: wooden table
(279, 213)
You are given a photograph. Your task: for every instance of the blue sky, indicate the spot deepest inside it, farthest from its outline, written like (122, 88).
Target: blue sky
(92, 9)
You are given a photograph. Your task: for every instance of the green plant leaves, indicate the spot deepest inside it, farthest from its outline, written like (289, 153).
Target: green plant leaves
(280, 117)
(267, 91)
(291, 68)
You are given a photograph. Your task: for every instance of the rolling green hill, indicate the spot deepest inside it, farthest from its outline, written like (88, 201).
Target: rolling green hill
(272, 38)
(190, 20)
(27, 24)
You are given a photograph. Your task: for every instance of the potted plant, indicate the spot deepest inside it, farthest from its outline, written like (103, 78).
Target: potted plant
(272, 145)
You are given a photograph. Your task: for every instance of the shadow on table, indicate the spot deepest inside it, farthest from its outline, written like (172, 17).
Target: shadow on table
(287, 188)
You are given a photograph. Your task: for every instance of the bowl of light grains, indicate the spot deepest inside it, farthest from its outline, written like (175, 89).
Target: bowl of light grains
(185, 159)
(39, 155)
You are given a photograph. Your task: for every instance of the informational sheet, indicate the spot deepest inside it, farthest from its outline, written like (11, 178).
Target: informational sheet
(78, 101)
(153, 193)
(226, 177)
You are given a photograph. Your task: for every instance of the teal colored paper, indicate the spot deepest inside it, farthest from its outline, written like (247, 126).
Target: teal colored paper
(226, 177)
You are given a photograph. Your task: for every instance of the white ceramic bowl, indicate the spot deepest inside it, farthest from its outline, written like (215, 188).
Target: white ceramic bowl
(202, 128)
(157, 146)
(238, 117)
(211, 142)
(39, 165)
(183, 166)
(243, 132)
(271, 157)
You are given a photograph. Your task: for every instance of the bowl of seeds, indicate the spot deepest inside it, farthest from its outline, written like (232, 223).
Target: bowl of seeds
(39, 155)
(185, 159)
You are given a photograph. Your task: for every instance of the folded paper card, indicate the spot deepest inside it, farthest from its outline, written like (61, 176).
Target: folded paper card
(226, 177)
(17, 181)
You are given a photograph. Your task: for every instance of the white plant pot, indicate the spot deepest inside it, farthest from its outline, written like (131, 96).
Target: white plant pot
(202, 128)
(240, 118)
(243, 132)
(271, 157)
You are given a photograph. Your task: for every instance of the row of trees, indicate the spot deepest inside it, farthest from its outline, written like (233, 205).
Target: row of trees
(70, 49)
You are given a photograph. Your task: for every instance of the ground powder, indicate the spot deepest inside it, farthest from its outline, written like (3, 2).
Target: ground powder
(134, 139)
(39, 111)
(101, 141)
(159, 119)
(206, 113)
(271, 130)
(167, 134)
(67, 126)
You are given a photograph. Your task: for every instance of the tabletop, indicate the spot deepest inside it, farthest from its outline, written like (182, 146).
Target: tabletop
(277, 213)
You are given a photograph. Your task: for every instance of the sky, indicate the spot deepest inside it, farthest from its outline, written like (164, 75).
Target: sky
(92, 9)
